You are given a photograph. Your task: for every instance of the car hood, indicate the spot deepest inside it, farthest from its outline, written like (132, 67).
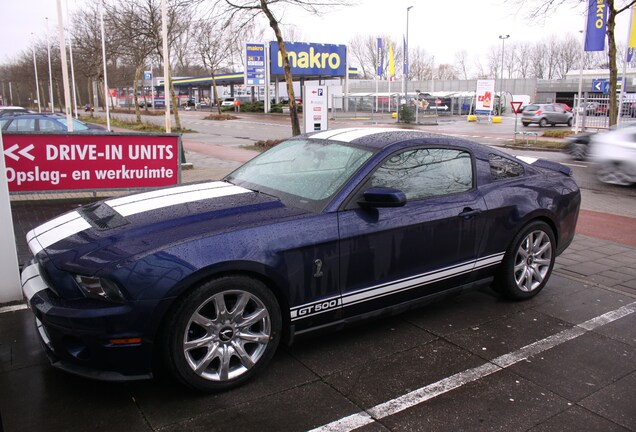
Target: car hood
(108, 231)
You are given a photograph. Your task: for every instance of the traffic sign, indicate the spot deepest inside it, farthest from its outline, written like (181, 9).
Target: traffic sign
(600, 85)
(516, 106)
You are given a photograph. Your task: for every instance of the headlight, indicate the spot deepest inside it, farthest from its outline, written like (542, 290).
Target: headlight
(99, 288)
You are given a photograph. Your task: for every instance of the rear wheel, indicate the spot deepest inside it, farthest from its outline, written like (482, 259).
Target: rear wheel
(543, 122)
(223, 333)
(525, 124)
(570, 122)
(528, 262)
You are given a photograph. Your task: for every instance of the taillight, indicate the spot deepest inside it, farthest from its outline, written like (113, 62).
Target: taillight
(538, 112)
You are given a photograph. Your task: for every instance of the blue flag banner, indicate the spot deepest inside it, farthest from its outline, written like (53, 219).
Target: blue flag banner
(596, 21)
(380, 57)
(630, 54)
(405, 70)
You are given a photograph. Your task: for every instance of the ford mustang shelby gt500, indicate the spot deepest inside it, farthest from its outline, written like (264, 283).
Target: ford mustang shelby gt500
(320, 231)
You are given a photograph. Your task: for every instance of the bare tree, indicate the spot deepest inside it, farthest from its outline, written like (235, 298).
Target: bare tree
(249, 10)
(213, 43)
(420, 64)
(364, 55)
(461, 63)
(568, 53)
(445, 72)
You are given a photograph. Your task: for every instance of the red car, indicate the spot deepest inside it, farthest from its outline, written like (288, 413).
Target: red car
(564, 106)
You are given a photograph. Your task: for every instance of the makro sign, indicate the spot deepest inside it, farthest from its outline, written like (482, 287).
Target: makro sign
(71, 162)
(310, 59)
(255, 64)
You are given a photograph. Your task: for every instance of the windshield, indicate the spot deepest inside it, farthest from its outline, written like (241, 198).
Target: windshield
(302, 172)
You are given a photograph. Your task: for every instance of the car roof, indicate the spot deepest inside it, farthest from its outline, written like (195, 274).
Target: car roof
(32, 115)
(379, 138)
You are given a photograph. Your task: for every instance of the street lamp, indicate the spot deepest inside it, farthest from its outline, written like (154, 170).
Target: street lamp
(35, 66)
(405, 69)
(503, 41)
(48, 50)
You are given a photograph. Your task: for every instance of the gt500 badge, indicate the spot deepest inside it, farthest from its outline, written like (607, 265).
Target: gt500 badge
(314, 308)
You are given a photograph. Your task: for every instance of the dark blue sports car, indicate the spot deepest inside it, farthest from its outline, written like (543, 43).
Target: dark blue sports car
(322, 230)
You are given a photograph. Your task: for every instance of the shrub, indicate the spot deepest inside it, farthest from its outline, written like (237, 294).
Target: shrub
(406, 114)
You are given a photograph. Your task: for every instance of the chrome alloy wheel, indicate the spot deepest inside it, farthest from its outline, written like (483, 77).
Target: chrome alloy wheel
(533, 261)
(227, 335)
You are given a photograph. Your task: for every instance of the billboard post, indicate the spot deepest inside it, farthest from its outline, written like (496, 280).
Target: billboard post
(10, 289)
(315, 112)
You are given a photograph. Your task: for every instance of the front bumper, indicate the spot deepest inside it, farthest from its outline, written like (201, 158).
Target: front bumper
(83, 336)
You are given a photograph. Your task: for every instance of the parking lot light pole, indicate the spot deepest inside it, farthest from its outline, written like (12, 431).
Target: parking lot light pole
(406, 57)
(503, 41)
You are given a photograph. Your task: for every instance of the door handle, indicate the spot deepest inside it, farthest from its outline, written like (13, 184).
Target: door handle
(469, 213)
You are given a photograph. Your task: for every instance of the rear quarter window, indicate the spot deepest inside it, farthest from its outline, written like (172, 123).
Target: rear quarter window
(503, 168)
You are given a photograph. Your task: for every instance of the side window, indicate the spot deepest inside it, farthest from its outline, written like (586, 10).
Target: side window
(22, 125)
(424, 173)
(503, 168)
(47, 125)
(548, 108)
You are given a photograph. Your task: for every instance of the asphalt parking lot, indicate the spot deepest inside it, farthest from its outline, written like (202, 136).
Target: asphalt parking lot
(563, 361)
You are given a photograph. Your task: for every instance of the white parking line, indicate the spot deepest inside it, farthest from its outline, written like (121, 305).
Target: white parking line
(12, 308)
(453, 382)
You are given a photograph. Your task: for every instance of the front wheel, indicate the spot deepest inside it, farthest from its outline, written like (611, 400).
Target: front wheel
(570, 122)
(223, 333)
(528, 262)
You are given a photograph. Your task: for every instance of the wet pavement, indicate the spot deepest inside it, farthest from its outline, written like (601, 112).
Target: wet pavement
(563, 361)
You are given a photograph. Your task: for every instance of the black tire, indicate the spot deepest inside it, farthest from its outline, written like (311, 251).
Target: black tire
(525, 124)
(528, 262)
(570, 122)
(228, 327)
(543, 122)
(578, 151)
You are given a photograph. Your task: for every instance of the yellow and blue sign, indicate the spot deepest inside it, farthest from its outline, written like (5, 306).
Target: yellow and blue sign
(255, 64)
(310, 59)
(597, 12)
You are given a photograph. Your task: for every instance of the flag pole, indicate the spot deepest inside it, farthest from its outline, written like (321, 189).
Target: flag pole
(630, 42)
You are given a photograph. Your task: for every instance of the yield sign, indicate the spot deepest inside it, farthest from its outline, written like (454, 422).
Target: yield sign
(516, 106)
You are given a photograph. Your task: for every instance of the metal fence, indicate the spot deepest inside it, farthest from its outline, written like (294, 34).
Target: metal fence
(593, 111)
(371, 106)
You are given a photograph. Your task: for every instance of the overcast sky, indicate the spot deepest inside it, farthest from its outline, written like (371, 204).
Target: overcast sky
(442, 28)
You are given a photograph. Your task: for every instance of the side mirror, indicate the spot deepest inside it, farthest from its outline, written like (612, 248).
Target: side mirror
(382, 197)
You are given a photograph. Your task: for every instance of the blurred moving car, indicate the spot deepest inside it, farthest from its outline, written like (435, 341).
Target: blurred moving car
(578, 145)
(44, 123)
(323, 230)
(546, 114)
(615, 155)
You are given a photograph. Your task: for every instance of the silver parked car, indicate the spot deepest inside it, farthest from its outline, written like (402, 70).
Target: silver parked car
(546, 114)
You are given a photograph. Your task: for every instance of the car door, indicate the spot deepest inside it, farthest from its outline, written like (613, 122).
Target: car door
(560, 115)
(394, 255)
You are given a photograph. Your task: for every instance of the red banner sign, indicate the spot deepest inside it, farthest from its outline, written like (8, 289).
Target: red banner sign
(71, 162)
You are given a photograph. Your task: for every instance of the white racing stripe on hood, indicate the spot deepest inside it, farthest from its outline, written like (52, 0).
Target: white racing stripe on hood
(55, 230)
(162, 198)
(72, 223)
